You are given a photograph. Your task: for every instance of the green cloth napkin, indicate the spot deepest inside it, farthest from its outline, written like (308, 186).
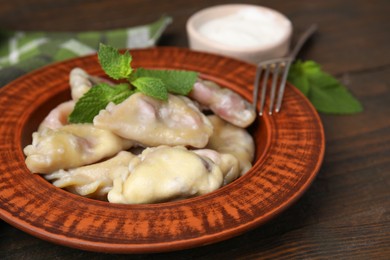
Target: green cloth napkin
(21, 52)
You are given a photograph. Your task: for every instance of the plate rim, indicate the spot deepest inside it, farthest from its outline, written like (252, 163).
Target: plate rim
(163, 246)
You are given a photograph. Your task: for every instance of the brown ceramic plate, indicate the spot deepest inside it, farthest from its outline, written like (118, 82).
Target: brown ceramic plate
(290, 149)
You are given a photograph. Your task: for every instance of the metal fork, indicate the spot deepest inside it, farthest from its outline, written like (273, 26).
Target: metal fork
(280, 68)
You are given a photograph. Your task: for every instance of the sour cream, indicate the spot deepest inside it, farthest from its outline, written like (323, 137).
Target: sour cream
(246, 28)
(248, 32)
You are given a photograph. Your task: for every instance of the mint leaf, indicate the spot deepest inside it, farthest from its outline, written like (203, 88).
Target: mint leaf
(334, 100)
(325, 92)
(115, 64)
(153, 87)
(96, 99)
(176, 81)
(329, 96)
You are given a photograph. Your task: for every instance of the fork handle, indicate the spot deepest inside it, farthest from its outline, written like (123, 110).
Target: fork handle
(302, 40)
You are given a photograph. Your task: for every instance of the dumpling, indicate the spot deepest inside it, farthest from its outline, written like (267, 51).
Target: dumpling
(80, 82)
(152, 122)
(166, 173)
(93, 180)
(228, 163)
(234, 140)
(223, 102)
(71, 146)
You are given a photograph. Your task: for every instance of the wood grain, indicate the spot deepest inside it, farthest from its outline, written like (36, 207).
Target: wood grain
(345, 213)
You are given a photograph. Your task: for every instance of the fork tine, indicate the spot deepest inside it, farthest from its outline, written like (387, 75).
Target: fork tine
(264, 89)
(282, 85)
(256, 86)
(275, 76)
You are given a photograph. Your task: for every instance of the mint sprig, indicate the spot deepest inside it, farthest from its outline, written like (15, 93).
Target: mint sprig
(326, 93)
(154, 83)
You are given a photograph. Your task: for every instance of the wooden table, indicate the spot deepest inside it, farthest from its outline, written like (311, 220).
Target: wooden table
(345, 213)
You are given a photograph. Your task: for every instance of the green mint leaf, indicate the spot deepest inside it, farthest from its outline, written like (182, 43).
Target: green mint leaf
(328, 95)
(96, 99)
(334, 100)
(115, 64)
(176, 81)
(153, 87)
(325, 92)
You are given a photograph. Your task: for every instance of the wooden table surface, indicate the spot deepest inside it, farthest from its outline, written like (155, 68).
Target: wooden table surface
(345, 213)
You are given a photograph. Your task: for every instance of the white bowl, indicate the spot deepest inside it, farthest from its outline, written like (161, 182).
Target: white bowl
(247, 32)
